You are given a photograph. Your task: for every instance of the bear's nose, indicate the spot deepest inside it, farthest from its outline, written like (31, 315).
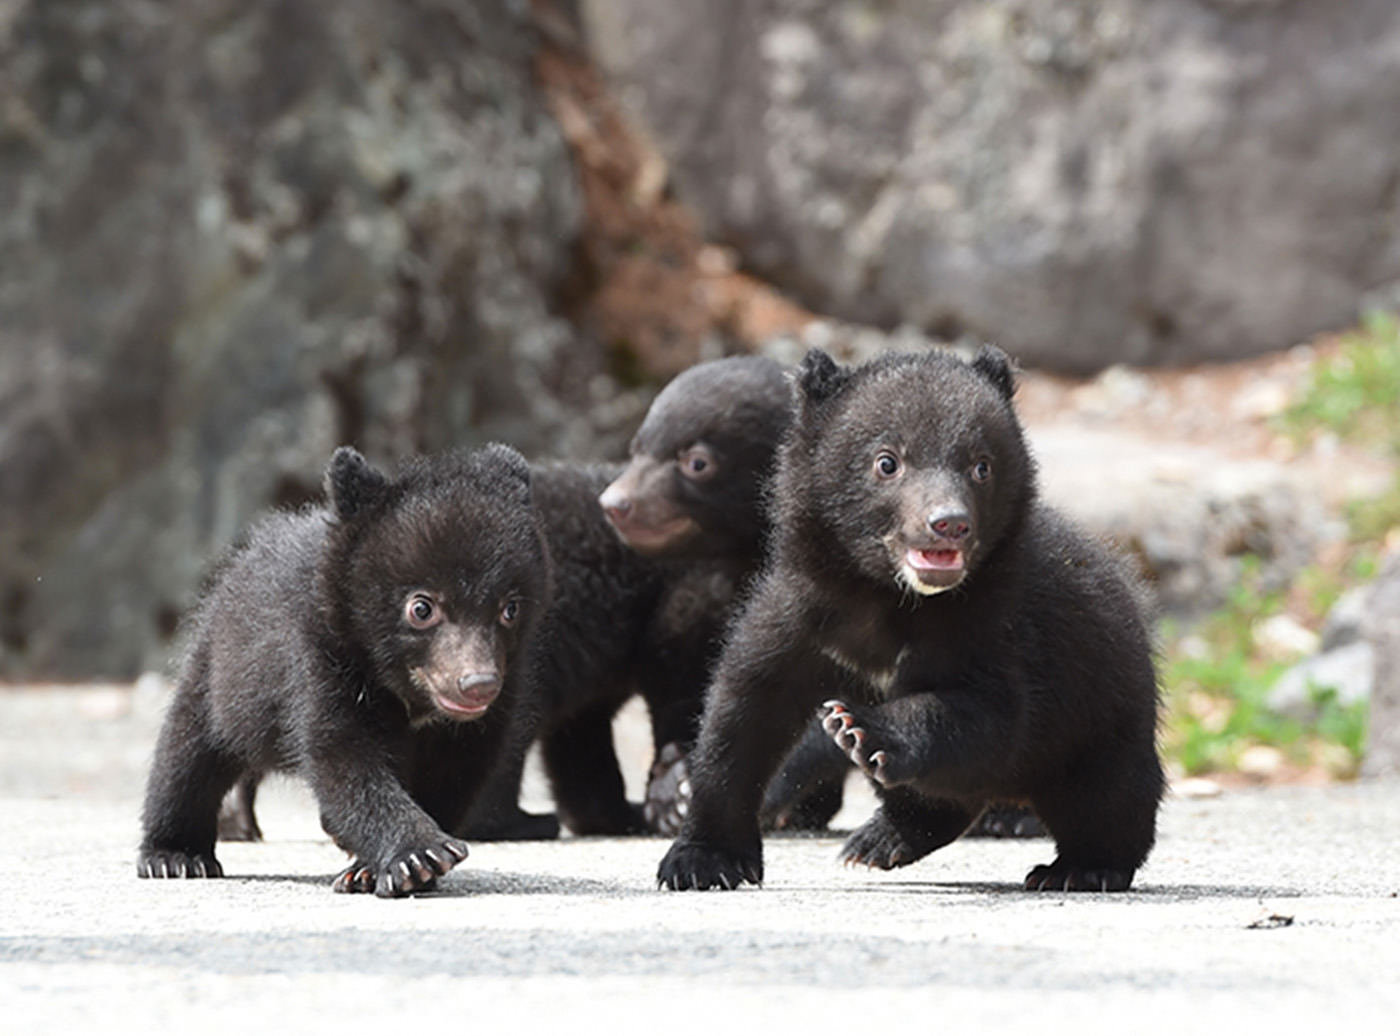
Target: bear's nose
(950, 525)
(615, 502)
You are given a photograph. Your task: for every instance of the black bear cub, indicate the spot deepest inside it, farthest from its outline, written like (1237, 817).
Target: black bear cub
(1002, 655)
(370, 645)
(693, 497)
(694, 484)
(648, 560)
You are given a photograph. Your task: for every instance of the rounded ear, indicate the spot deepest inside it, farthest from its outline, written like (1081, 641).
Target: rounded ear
(352, 485)
(996, 367)
(510, 462)
(819, 377)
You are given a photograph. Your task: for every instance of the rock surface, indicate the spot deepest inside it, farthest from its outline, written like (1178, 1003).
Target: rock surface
(1127, 181)
(233, 236)
(1382, 630)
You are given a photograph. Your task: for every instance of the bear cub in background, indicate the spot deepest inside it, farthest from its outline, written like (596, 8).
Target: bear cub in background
(648, 561)
(1000, 655)
(692, 497)
(369, 645)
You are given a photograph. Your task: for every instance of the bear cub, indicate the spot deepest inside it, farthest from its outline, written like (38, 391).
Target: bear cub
(692, 497)
(999, 654)
(369, 645)
(648, 560)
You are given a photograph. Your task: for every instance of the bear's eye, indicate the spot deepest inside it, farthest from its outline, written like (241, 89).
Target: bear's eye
(421, 612)
(697, 463)
(886, 464)
(510, 612)
(981, 471)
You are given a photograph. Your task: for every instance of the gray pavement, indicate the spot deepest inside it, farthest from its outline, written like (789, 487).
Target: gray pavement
(1270, 910)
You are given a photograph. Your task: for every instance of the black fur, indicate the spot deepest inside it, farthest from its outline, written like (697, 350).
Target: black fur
(1003, 654)
(370, 645)
(695, 488)
(590, 656)
(645, 620)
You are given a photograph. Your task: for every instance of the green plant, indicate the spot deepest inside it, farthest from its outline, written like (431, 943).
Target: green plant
(1340, 722)
(1217, 681)
(1216, 677)
(1355, 392)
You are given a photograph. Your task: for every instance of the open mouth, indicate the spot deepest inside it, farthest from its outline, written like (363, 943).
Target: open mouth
(931, 570)
(940, 559)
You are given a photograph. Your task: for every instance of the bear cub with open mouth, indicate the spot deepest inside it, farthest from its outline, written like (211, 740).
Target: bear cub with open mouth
(1001, 655)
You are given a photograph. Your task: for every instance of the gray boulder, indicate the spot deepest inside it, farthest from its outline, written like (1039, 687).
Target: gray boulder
(1132, 181)
(234, 235)
(1190, 515)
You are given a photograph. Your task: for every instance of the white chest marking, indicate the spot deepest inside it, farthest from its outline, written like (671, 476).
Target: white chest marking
(879, 679)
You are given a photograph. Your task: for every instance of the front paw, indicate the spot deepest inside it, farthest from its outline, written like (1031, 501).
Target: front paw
(668, 791)
(412, 870)
(692, 865)
(169, 863)
(876, 754)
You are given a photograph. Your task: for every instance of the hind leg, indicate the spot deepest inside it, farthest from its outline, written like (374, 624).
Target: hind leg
(1103, 830)
(583, 774)
(237, 820)
(906, 827)
(188, 780)
(809, 788)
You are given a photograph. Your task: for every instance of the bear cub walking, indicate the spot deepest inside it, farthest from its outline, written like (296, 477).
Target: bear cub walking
(369, 645)
(1001, 655)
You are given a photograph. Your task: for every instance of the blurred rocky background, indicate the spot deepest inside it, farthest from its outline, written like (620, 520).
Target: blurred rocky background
(236, 234)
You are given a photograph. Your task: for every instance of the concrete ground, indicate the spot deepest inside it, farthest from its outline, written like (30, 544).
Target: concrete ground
(1271, 910)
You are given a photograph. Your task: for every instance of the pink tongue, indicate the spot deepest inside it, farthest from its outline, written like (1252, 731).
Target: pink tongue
(934, 558)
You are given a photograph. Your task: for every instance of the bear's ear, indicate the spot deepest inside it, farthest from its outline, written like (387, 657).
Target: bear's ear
(514, 468)
(352, 486)
(995, 366)
(819, 377)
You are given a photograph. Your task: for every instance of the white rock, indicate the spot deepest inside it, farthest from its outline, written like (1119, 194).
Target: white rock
(1284, 637)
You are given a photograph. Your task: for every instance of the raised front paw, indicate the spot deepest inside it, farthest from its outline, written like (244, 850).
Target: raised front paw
(167, 863)
(668, 791)
(410, 871)
(1063, 877)
(692, 865)
(863, 744)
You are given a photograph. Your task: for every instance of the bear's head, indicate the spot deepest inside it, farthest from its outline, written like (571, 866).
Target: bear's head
(909, 470)
(434, 577)
(694, 484)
